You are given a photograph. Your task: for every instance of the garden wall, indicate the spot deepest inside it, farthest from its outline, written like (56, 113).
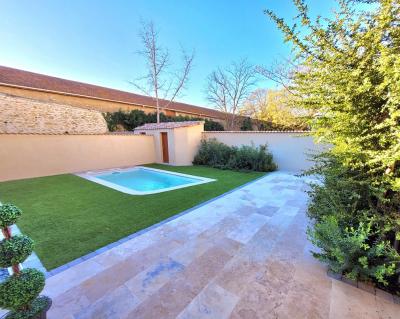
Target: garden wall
(23, 115)
(34, 155)
(288, 148)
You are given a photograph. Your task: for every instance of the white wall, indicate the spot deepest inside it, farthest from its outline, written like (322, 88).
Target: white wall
(289, 149)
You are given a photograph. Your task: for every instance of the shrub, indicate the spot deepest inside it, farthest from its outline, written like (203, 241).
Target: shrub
(210, 125)
(252, 158)
(130, 120)
(17, 292)
(350, 251)
(15, 250)
(9, 214)
(219, 155)
(247, 124)
(213, 153)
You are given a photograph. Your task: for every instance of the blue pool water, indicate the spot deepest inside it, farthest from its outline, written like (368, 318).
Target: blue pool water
(141, 179)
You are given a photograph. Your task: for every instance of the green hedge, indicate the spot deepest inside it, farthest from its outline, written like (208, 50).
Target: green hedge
(219, 155)
(129, 120)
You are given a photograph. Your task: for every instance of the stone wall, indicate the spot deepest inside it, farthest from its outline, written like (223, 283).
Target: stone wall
(20, 115)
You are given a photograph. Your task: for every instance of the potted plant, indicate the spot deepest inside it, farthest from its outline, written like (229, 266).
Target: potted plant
(19, 293)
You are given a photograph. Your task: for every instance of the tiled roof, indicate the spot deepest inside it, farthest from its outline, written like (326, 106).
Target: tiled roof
(16, 77)
(166, 125)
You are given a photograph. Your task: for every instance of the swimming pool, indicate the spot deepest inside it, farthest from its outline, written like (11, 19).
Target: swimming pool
(143, 180)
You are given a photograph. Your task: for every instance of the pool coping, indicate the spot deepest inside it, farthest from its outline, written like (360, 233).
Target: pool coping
(103, 249)
(92, 176)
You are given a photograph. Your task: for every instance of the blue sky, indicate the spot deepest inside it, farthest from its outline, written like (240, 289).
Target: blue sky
(95, 41)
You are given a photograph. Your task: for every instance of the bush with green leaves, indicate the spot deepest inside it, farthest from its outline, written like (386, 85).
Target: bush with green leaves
(134, 118)
(213, 153)
(19, 292)
(351, 252)
(252, 159)
(346, 69)
(9, 214)
(15, 250)
(245, 158)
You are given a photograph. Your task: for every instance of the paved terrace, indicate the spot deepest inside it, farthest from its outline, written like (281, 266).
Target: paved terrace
(244, 255)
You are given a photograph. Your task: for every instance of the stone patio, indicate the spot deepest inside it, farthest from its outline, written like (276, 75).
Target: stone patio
(243, 255)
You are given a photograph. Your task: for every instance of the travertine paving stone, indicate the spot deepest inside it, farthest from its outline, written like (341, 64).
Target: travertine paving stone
(242, 256)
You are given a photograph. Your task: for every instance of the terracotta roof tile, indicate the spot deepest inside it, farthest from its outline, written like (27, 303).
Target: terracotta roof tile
(16, 77)
(166, 125)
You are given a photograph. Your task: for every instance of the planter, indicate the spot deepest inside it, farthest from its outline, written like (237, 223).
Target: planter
(40, 307)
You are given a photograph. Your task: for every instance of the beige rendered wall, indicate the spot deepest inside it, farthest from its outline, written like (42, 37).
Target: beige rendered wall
(156, 134)
(183, 143)
(25, 156)
(187, 142)
(289, 149)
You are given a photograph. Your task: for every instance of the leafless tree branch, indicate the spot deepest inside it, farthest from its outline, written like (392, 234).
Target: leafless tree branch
(158, 81)
(228, 88)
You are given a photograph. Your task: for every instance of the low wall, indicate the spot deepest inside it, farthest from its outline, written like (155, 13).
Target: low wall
(289, 149)
(25, 156)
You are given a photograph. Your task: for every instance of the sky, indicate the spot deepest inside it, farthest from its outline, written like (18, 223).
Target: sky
(96, 41)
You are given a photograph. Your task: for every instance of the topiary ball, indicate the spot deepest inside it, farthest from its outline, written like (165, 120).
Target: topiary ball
(18, 292)
(15, 250)
(9, 214)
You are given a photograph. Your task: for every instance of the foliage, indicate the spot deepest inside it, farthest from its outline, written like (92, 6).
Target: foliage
(274, 110)
(39, 305)
(247, 124)
(128, 121)
(213, 153)
(57, 204)
(15, 250)
(347, 72)
(219, 155)
(349, 250)
(9, 214)
(252, 158)
(18, 292)
(211, 125)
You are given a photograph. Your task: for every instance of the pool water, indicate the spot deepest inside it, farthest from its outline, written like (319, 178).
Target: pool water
(143, 180)
(146, 180)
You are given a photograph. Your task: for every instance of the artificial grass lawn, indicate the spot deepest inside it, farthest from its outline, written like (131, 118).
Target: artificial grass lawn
(68, 216)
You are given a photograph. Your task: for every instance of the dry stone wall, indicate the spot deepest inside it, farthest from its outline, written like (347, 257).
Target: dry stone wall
(20, 115)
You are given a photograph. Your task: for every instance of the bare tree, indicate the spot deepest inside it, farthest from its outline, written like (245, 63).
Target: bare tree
(160, 82)
(280, 72)
(229, 87)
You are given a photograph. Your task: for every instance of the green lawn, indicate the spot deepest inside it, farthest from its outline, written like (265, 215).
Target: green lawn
(68, 216)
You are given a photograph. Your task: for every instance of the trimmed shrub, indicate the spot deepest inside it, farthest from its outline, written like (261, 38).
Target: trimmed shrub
(248, 158)
(18, 292)
(39, 305)
(9, 214)
(15, 250)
